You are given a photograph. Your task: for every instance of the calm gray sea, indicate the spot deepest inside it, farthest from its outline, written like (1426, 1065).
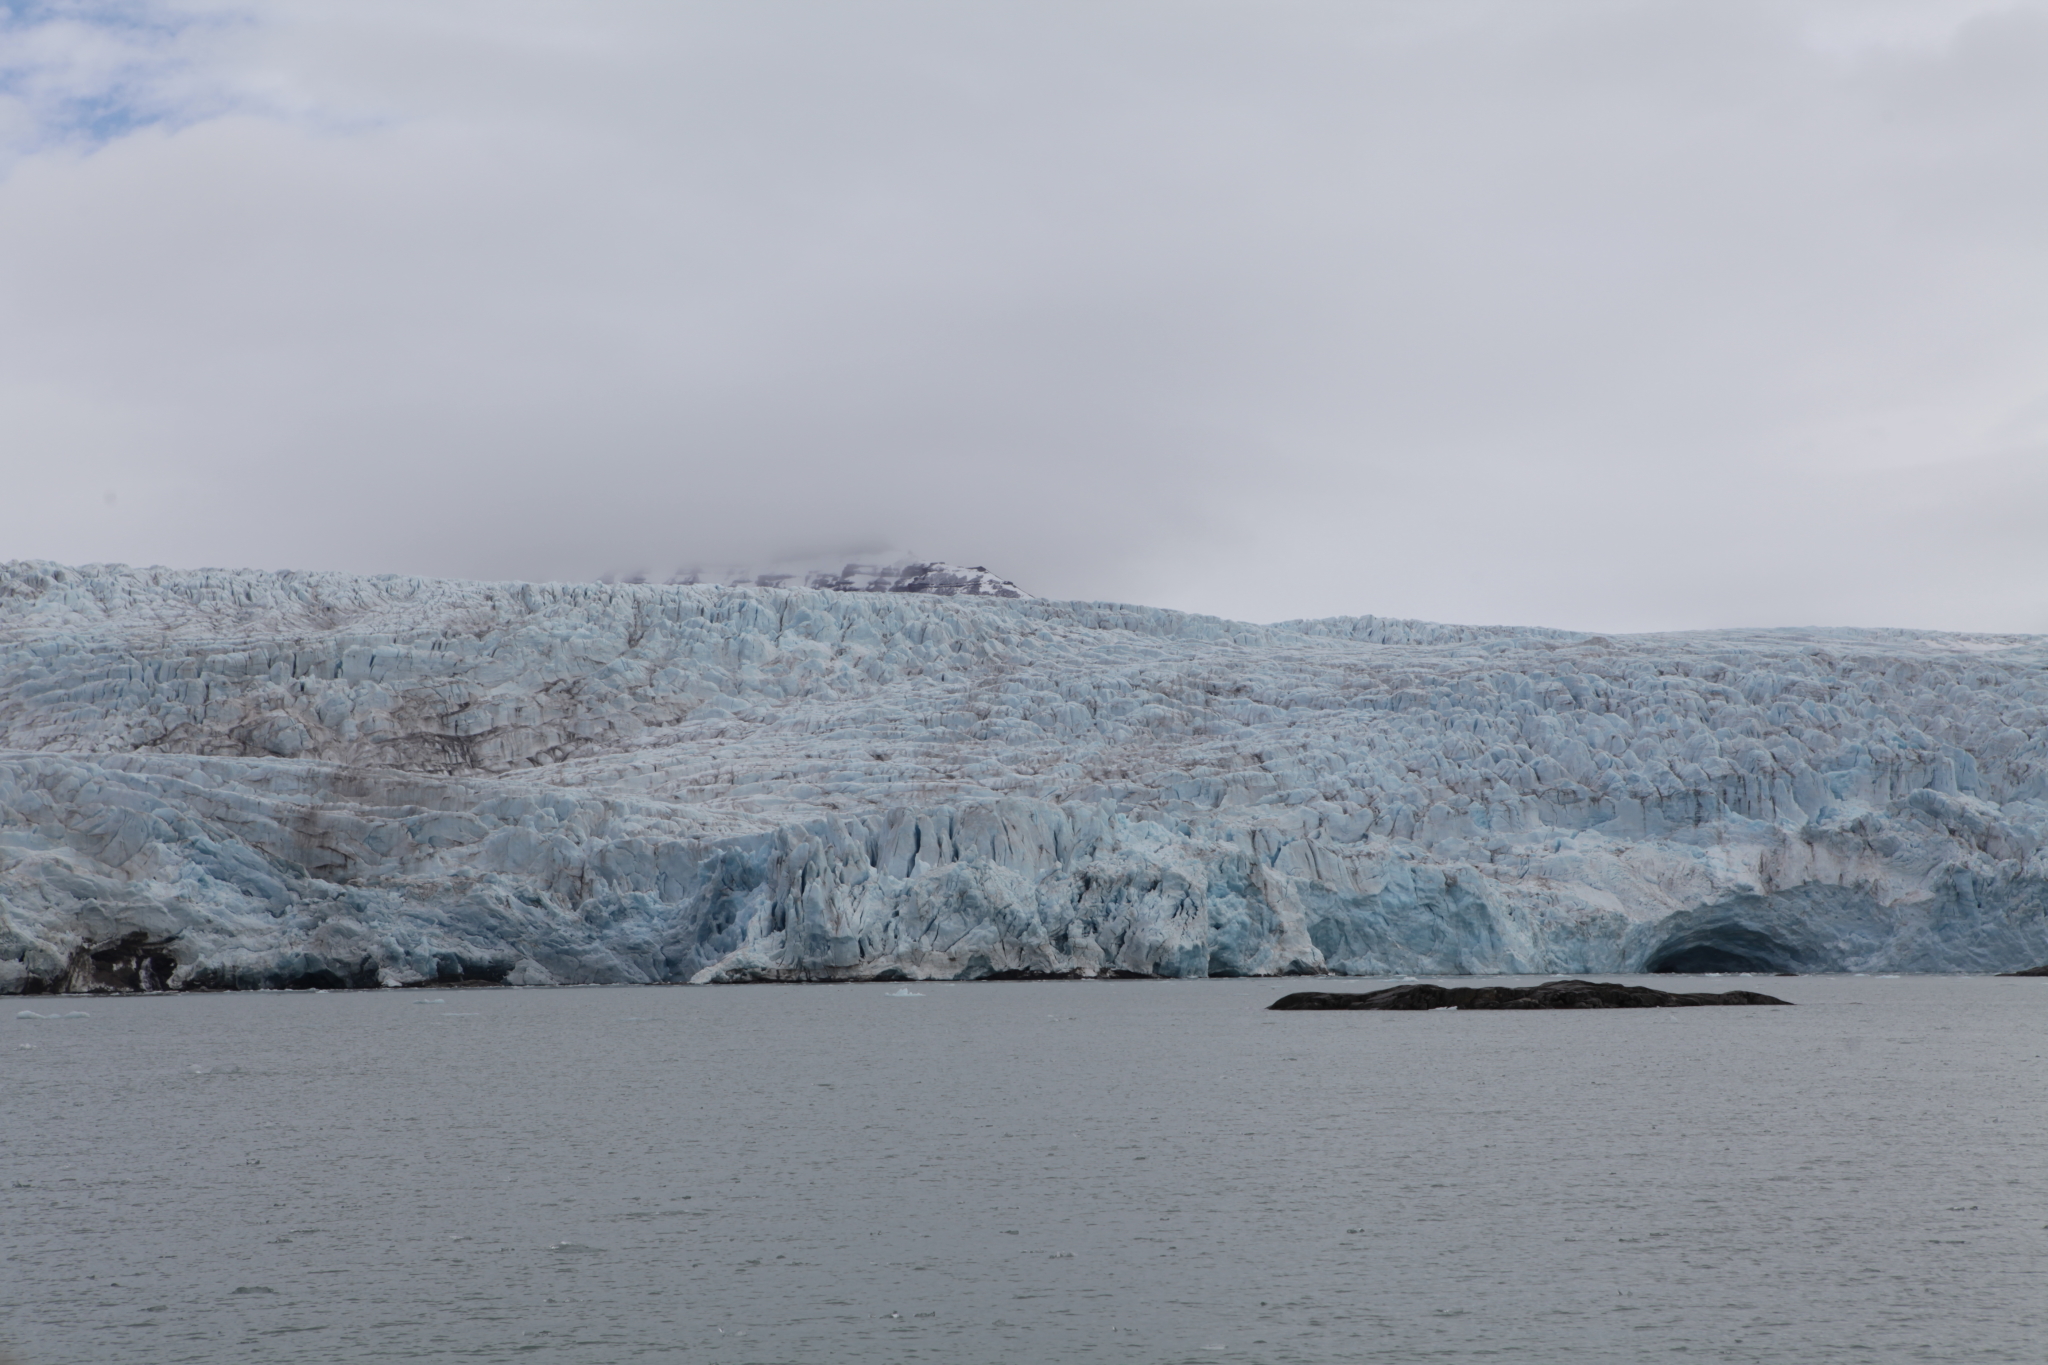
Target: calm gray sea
(1024, 1172)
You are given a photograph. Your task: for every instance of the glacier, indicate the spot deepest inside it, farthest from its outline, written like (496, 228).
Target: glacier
(237, 779)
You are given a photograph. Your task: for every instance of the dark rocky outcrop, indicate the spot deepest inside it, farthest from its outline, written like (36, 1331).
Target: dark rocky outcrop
(2041, 970)
(132, 962)
(1551, 995)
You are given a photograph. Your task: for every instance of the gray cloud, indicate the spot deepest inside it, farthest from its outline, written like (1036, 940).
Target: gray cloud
(1602, 314)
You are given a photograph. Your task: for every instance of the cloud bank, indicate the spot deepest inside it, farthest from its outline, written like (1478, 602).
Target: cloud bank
(1598, 314)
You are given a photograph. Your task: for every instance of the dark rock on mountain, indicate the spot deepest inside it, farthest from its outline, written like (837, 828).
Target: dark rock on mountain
(929, 578)
(2041, 970)
(934, 578)
(1551, 995)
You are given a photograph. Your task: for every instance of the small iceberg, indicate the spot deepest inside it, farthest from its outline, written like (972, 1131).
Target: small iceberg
(904, 992)
(68, 1014)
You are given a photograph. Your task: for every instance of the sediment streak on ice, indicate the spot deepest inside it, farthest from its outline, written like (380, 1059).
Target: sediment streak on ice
(242, 778)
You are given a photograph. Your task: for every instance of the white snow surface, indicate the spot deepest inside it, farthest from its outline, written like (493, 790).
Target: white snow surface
(246, 779)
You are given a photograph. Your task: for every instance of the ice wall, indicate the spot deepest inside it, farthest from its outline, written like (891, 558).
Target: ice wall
(241, 779)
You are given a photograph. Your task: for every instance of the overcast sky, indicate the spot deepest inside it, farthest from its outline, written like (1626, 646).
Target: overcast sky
(1590, 313)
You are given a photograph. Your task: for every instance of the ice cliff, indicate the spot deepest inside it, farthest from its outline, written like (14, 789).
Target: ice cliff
(247, 779)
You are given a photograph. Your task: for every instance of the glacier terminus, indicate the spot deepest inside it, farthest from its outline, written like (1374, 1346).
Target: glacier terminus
(240, 779)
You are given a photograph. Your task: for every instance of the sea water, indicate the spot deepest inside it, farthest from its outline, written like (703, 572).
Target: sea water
(1024, 1172)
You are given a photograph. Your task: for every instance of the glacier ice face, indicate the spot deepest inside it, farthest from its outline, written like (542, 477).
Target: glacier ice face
(244, 779)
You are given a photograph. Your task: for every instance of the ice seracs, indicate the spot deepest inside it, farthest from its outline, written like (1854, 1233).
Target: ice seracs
(235, 779)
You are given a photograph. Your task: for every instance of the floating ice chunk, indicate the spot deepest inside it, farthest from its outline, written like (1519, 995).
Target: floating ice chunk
(430, 1002)
(905, 993)
(68, 1014)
